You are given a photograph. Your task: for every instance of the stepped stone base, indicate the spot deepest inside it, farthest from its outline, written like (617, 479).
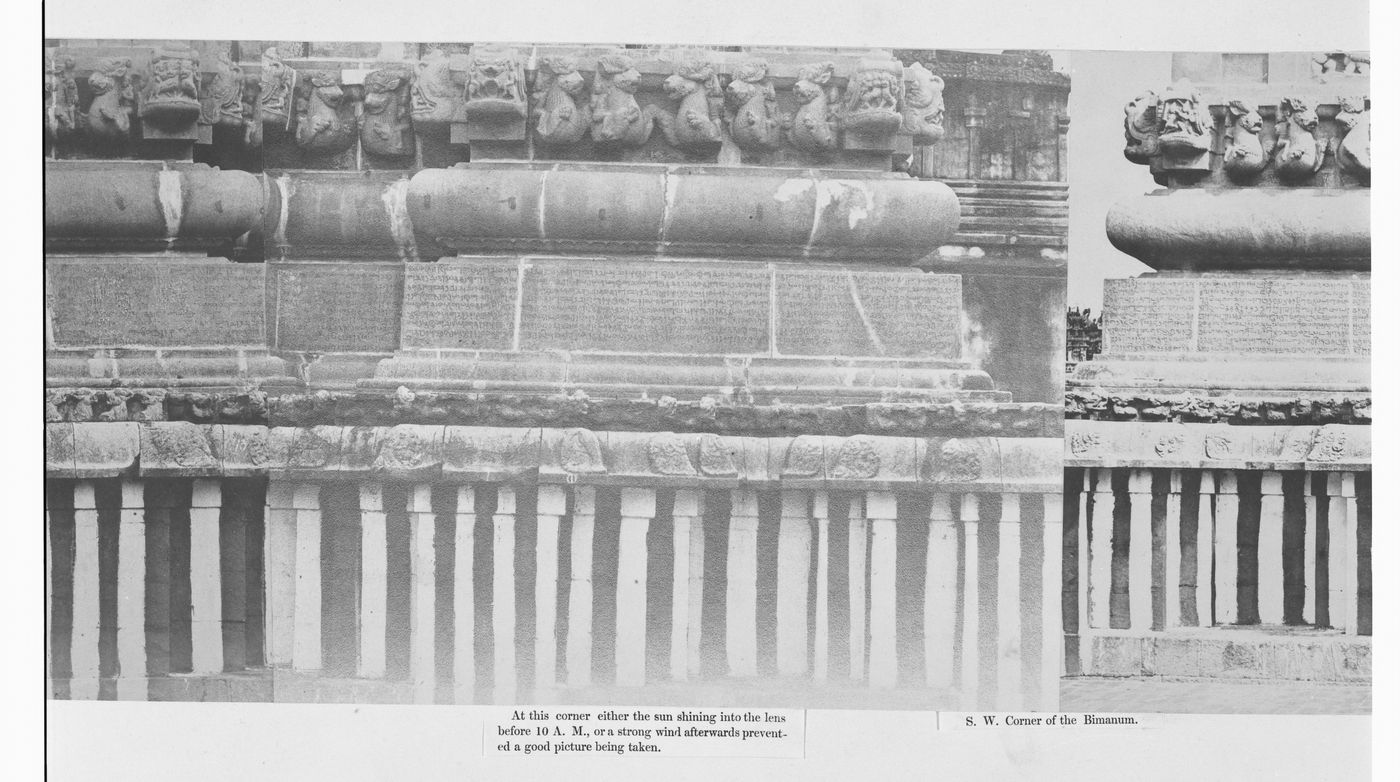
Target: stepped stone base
(1232, 653)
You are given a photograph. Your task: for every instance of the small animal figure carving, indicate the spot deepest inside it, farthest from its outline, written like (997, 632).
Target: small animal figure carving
(753, 106)
(695, 125)
(432, 97)
(495, 86)
(1354, 149)
(60, 100)
(275, 93)
(617, 117)
(812, 127)
(325, 116)
(1244, 153)
(923, 104)
(1179, 117)
(170, 99)
(1297, 152)
(386, 128)
(1141, 128)
(564, 111)
(109, 114)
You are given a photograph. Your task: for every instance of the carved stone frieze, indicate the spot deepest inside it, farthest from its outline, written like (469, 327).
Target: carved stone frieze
(694, 86)
(1220, 446)
(114, 99)
(752, 101)
(60, 99)
(170, 94)
(564, 112)
(495, 108)
(813, 127)
(1141, 129)
(1298, 153)
(923, 104)
(224, 103)
(1354, 148)
(435, 99)
(1244, 152)
(871, 115)
(617, 117)
(386, 127)
(326, 121)
(276, 82)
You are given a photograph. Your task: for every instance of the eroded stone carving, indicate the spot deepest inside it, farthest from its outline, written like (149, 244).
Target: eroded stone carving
(1183, 128)
(580, 452)
(813, 128)
(60, 99)
(923, 104)
(225, 105)
(563, 107)
(434, 99)
(871, 115)
(170, 97)
(1354, 148)
(617, 117)
(386, 128)
(495, 85)
(958, 463)
(114, 98)
(1219, 447)
(1169, 444)
(325, 114)
(804, 457)
(1141, 128)
(1341, 63)
(1081, 443)
(1330, 446)
(753, 105)
(668, 456)
(275, 90)
(694, 85)
(1297, 152)
(716, 458)
(1244, 152)
(857, 459)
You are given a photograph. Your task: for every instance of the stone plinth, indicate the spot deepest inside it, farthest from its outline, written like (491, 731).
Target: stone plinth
(1246, 228)
(628, 326)
(680, 210)
(147, 205)
(153, 321)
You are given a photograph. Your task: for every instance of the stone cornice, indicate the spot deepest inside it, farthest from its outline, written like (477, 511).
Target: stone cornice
(1216, 446)
(952, 419)
(575, 455)
(1096, 405)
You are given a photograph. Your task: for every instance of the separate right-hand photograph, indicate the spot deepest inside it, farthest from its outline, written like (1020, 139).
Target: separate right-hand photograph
(1217, 527)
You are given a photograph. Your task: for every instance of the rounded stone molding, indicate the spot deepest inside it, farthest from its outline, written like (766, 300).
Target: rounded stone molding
(1243, 229)
(147, 204)
(682, 210)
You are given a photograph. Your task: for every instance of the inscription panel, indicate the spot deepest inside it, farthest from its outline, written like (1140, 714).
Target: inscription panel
(1147, 315)
(648, 307)
(841, 312)
(335, 307)
(464, 305)
(1361, 317)
(1275, 316)
(155, 302)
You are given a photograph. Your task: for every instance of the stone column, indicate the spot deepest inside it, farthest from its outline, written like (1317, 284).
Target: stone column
(1009, 607)
(856, 547)
(687, 582)
(1081, 560)
(1101, 550)
(821, 626)
(794, 561)
(464, 599)
(1310, 503)
(1140, 550)
(741, 594)
(638, 509)
(206, 615)
(86, 613)
(279, 572)
(880, 508)
(579, 648)
(422, 612)
(1227, 515)
(131, 594)
(971, 653)
(1205, 549)
(1172, 582)
(941, 593)
(503, 595)
(1052, 635)
(1270, 549)
(550, 507)
(374, 581)
(306, 632)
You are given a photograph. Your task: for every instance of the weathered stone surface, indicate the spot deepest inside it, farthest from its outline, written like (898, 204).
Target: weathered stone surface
(849, 313)
(155, 303)
(1234, 654)
(147, 205)
(59, 450)
(82, 405)
(681, 211)
(339, 215)
(1198, 408)
(490, 453)
(1315, 315)
(177, 449)
(1257, 228)
(1220, 446)
(326, 307)
(461, 304)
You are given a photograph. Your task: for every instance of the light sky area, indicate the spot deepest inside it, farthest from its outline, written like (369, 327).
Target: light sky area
(1099, 175)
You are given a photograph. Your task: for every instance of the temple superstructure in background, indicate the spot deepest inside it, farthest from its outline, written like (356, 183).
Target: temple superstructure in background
(1219, 484)
(545, 373)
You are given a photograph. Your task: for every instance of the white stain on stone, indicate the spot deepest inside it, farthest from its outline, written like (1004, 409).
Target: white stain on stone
(172, 202)
(975, 347)
(791, 188)
(395, 198)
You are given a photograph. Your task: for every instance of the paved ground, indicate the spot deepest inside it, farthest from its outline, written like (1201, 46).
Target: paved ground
(1156, 694)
